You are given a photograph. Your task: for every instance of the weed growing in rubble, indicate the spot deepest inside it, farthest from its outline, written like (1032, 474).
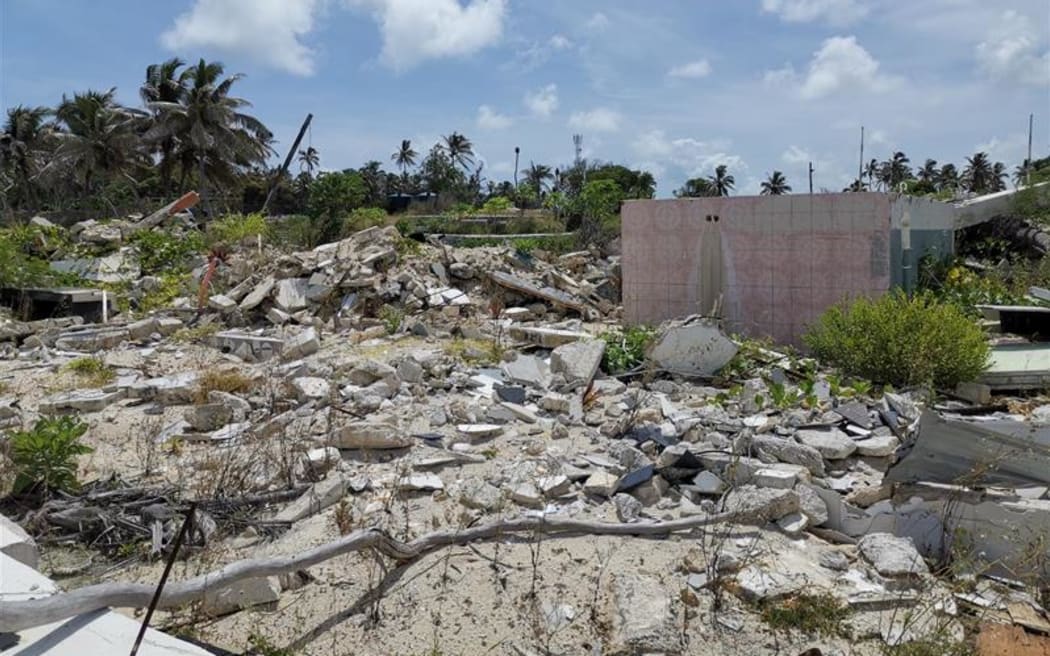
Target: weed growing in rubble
(236, 228)
(937, 645)
(260, 645)
(901, 340)
(195, 334)
(233, 382)
(161, 251)
(46, 456)
(391, 317)
(625, 349)
(821, 614)
(92, 371)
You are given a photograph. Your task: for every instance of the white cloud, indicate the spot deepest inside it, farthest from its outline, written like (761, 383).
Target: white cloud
(542, 102)
(559, 42)
(840, 64)
(1012, 51)
(597, 22)
(693, 70)
(796, 155)
(414, 31)
(600, 119)
(692, 156)
(490, 119)
(835, 12)
(1011, 149)
(268, 31)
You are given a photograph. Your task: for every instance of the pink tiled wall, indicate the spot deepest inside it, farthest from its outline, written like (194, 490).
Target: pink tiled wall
(784, 259)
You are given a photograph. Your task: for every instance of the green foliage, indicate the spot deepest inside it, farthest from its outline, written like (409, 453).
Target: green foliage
(236, 228)
(1033, 202)
(365, 217)
(92, 371)
(46, 456)
(336, 194)
(260, 645)
(820, 614)
(161, 251)
(900, 340)
(391, 317)
(625, 349)
(953, 283)
(497, 204)
(17, 267)
(599, 206)
(172, 285)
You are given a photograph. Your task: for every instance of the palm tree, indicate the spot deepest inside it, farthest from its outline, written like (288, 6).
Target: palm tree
(977, 176)
(928, 172)
(872, 171)
(405, 157)
(210, 127)
(696, 188)
(722, 181)
(948, 178)
(459, 149)
(775, 185)
(999, 176)
(1021, 173)
(895, 170)
(99, 138)
(165, 83)
(856, 185)
(537, 176)
(309, 159)
(22, 143)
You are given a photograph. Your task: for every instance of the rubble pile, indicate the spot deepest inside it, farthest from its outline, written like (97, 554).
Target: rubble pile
(490, 400)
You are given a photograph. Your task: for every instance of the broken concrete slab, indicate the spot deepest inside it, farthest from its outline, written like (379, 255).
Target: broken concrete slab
(831, 444)
(698, 348)
(549, 294)
(291, 294)
(243, 594)
(949, 448)
(546, 337)
(891, 555)
(259, 294)
(321, 495)
(208, 417)
(174, 389)
(17, 544)
(756, 504)
(81, 400)
(246, 346)
(578, 362)
(301, 345)
(91, 340)
(527, 370)
(369, 434)
(641, 617)
(786, 450)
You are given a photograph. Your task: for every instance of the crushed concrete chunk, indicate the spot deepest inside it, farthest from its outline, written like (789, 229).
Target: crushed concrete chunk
(692, 349)
(831, 444)
(578, 362)
(241, 595)
(641, 617)
(752, 503)
(891, 555)
(369, 435)
(88, 400)
(17, 544)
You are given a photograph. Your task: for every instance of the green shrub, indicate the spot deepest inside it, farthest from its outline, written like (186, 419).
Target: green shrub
(497, 204)
(900, 340)
(235, 228)
(365, 217)
(391, 317)
(625, 349)
(92, 371)
(160, 251)
(821, 614)
(17, 268)
(46, 456)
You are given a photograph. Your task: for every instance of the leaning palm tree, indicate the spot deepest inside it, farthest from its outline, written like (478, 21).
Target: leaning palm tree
(212, 131)
(721, 181)
(928, 172)
(309, 159)
(459, 149)
(405, 157)
(977, 176)
(99, 138)
(999, 176)
(872, 171)
(165, 83)
(537, 176)
(948, 178)
(775, 185)
(895, 170)
(1021, 173)
(23, 143)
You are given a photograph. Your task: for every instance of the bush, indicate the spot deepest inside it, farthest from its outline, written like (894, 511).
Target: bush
(92, 371)
(497, 204)
(900, 340)
(161, 251)
(235, 228)
(17, 268)
(625, 349)
(365, 217)
(46, 456)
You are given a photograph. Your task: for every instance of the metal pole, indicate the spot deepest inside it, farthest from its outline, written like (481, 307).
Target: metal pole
(1028, 162)
(811, 178)
(164, 577)
(860, 166)
(287, 161)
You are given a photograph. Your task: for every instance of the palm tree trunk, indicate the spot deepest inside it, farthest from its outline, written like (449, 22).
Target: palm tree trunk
(203, 182)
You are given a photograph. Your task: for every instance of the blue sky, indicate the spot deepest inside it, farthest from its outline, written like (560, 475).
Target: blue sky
(676, 87)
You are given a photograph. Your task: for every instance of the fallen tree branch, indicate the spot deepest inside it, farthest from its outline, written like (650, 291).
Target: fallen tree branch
(20, 615)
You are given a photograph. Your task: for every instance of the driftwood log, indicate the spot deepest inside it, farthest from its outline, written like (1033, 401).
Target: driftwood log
(20, 615)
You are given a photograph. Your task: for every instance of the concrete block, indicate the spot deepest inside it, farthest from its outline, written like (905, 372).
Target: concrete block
(17, 544)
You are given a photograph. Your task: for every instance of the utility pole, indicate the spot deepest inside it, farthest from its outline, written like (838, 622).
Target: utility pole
(287, 161)
(516, 152)
(1028, 162)
(860, 166)
(811, 178)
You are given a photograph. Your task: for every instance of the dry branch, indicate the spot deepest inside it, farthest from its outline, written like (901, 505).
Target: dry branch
(20, 615)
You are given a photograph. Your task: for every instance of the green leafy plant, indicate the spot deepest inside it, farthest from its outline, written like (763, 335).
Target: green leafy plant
(365, 217)
(236, 228)
(900, 340)
(782, 396)
(92, 371)
(820, 614)
(45, 457)
(391, 317)
(161, 252)
(497, 204)
(625, 349)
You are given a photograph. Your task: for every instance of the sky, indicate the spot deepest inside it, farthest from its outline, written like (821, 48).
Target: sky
(675, 87)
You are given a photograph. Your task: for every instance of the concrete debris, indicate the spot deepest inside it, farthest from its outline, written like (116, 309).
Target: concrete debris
(691, 348)
(578, 362)
(892, 556)
(831, 444)
(641, 618)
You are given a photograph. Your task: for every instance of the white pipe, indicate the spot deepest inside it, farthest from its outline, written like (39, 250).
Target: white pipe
(105, 307)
